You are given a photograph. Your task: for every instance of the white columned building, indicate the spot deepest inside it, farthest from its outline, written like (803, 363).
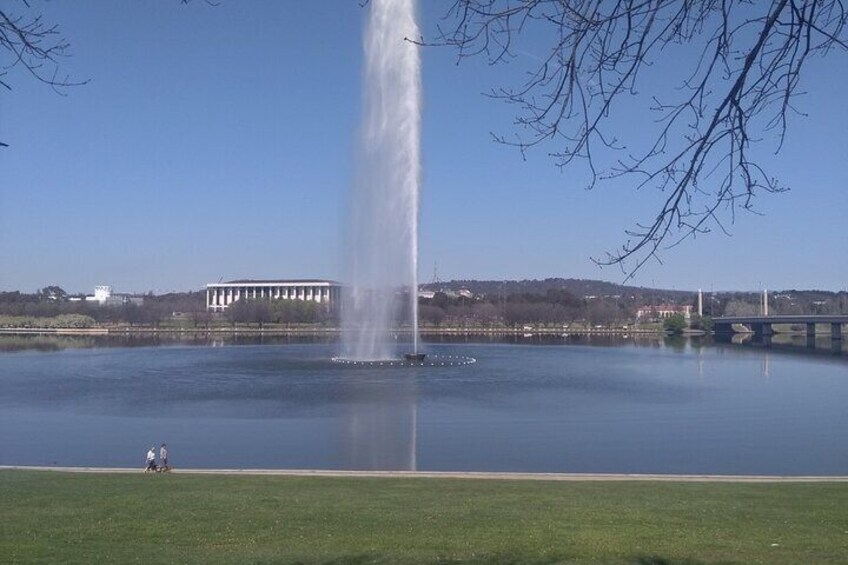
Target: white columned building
(221, 295)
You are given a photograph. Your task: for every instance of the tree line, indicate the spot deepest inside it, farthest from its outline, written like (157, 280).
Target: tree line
(281, 311)
(51, 303)
(51, 307)
(556, 306)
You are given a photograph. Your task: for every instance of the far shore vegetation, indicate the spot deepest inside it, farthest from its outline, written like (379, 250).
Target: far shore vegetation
(54, 517)
(554, 304)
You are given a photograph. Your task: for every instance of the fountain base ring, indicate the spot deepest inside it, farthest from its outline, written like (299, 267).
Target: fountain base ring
(429, 361)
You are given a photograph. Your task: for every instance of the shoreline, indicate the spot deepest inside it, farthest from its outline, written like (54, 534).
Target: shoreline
(468, 475)
(125, 330)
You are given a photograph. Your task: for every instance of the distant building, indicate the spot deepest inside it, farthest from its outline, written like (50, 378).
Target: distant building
(664, 311)
(219, 296)
(104, 296)
(461, 293)
(102, 293)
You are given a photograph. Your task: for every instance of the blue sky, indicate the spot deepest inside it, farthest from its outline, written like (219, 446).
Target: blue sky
(218, 142)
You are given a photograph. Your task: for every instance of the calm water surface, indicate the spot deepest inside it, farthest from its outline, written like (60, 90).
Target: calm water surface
(634, 407)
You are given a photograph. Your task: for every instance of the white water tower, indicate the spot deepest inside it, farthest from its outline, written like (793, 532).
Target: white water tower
(102, 293)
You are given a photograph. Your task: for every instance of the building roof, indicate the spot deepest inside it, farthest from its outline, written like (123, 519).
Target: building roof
(277, 281)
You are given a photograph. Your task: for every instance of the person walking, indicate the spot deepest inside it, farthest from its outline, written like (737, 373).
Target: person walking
(163, 458)
(151, 460)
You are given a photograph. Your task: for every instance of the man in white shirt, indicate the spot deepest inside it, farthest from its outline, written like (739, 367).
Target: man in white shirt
(151, 459)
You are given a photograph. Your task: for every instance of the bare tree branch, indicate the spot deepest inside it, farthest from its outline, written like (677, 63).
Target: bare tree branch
(742, 85)
(28, 42)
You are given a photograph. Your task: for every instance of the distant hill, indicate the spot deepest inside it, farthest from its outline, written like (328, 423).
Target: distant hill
(578, 287)
(781, 301)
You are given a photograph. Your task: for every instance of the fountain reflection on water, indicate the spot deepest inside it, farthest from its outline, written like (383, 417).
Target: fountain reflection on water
(381, 426)
(383, 242)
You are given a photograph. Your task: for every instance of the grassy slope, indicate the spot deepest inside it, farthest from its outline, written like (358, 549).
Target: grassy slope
(77, 518)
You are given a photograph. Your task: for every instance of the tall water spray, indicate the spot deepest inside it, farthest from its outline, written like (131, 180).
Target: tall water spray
(383, 243)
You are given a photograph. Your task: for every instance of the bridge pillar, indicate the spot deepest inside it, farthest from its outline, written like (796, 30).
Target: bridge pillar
(811, 340)
(811, 330)
(762, 329)
(836, 331)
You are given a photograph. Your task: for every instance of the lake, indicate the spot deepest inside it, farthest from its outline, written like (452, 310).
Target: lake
(602, 405)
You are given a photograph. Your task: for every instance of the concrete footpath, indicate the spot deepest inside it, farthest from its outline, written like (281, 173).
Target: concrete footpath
(610, 477)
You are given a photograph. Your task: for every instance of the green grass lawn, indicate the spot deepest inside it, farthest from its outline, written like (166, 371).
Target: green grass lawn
(51, 517)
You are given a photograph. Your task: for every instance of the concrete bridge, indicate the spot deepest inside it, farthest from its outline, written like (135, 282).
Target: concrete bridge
(762, 325)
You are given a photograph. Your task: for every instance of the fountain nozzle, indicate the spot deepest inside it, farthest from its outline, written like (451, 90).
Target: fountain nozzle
(418, 357)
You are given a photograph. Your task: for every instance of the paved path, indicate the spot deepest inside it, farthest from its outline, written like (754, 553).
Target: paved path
(460, 475)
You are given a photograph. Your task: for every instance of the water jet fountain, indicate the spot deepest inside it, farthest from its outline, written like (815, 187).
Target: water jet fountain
(383, 242)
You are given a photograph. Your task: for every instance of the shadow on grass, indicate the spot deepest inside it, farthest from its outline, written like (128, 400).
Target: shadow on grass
(485, 559)
(364, 559)
(657, 560)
